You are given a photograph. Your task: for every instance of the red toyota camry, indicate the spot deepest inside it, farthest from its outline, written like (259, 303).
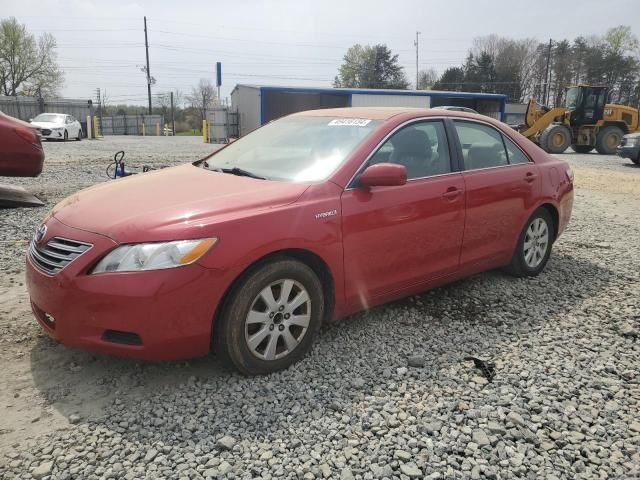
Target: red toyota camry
(310, 218)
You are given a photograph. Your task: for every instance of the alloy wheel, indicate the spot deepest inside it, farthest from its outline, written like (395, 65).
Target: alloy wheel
(536, 242)
(278, 319)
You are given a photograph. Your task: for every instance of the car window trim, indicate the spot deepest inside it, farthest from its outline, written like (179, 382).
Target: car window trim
(504, 137)
(504, 145)
(351, 183)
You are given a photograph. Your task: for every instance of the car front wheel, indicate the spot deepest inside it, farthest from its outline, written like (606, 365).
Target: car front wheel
(271, 317)
(534, 245)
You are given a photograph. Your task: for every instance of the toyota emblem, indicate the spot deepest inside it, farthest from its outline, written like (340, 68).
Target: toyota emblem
(40, 233)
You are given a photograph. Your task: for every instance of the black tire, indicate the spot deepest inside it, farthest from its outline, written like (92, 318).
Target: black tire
(231, 332)
(555, 139)
(66, 136)
(608, 139)
(582, 148)
(79, 137)
(519, 266)
(636, 160)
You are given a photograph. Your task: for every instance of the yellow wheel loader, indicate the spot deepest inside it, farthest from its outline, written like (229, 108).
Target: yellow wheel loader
(585, 122)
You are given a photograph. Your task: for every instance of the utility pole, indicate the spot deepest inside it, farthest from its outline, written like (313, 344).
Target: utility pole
(173, 119)
(146, 47)
(546, 75)
(417, 64)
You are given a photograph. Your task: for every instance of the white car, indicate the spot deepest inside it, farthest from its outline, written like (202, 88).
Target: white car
(57, 126)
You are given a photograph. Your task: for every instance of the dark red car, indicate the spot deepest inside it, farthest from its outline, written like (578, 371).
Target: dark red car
(310, 218)
(21, 153)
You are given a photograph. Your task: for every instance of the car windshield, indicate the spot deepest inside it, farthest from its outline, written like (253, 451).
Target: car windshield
(49, 117)
(296, 149)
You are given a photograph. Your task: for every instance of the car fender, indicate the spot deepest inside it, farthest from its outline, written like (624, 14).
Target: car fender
(311, 224)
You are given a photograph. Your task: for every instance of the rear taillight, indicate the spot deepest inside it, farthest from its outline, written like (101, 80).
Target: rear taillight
(29, 135)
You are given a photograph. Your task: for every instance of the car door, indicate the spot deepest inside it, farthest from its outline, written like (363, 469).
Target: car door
(501, 185)
(396, 237)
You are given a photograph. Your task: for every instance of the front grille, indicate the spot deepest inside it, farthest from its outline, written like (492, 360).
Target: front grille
(46, 131)
(56, 254)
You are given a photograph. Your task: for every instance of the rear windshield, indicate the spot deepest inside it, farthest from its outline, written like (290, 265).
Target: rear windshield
(296, 149)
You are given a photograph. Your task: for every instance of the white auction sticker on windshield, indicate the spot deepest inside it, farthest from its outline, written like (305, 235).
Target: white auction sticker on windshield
(352, 122)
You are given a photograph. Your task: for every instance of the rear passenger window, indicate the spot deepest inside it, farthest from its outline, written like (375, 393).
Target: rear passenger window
(515, 154)
(482, 146)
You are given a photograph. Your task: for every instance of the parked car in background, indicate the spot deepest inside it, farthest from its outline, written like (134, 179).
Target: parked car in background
(57, 126)
(311, 217)
(21, 153)
(630, 147)
(455, 108)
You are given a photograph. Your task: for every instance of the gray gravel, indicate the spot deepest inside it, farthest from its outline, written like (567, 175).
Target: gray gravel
(384, 394)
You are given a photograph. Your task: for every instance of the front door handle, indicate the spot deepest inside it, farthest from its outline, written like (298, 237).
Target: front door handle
(452, 193)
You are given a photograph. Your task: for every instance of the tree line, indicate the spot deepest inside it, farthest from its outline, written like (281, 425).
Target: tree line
(518, 68)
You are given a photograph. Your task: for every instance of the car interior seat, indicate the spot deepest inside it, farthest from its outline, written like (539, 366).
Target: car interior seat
(412, 148)
(484, 156)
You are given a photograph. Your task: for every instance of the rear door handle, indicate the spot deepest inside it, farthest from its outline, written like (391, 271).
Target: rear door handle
(530, 177)
(452, 193)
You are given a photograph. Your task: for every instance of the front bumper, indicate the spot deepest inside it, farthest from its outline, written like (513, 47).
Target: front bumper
(628, 151)
(51, 134)
(156, 315)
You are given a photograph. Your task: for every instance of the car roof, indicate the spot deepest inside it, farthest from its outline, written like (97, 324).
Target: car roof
(386, 113)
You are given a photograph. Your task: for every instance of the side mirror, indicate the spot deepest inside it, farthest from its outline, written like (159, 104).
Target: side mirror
(383, 175)
(30, 120)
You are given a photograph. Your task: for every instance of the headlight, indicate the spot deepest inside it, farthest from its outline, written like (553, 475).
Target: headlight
(154, 256)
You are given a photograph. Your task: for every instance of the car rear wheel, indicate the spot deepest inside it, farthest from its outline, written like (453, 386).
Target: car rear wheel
(66, 136)
(534, 245)
(271, 317)
(79, 137)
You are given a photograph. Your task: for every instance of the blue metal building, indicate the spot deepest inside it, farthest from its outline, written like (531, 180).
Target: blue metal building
(258, 104)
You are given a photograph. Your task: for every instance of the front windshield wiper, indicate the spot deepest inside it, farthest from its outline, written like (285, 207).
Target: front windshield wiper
(241, 172)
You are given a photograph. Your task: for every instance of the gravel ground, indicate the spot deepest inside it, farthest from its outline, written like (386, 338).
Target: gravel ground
(384, 394)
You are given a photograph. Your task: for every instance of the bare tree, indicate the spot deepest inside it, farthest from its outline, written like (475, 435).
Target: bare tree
(27, 66)
(202, 97)
(427, 78)
(178, 99)
(105, 100)
(163, 102)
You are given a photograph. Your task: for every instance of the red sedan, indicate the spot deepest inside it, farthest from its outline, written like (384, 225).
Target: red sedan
(21, 152)
(312, 217)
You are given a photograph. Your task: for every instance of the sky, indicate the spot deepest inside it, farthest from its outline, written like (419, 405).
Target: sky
(282, 42)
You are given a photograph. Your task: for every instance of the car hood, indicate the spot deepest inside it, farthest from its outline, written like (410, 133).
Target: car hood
(46, 125)
(171, 204)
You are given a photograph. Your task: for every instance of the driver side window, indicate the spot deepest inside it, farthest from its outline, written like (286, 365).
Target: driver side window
(421, 147)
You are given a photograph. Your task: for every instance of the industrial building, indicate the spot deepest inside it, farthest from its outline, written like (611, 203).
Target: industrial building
(258, 104)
